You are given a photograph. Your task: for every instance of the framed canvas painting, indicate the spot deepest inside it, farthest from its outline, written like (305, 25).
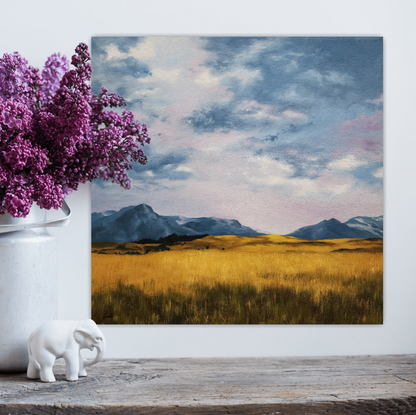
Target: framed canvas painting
(261, 201)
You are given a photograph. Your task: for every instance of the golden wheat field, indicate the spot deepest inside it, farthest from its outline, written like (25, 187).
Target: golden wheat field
(229, 279)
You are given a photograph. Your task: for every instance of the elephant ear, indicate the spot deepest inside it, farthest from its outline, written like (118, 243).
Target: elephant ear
(80, 334)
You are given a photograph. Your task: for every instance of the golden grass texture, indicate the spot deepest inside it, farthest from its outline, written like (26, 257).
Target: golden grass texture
(265, 261)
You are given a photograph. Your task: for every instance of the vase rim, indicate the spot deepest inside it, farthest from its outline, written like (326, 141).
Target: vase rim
(36, 215)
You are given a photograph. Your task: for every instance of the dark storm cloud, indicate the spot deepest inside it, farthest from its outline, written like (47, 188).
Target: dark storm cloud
(214, 118)
(296, 128)
(98, 44)
(306, 164)
(128, 66)
(303, 74)
(365, 174)
(163, 165)
(226, 50)
(272, 137)
(361, 58)
(115, 69)
(226, 118)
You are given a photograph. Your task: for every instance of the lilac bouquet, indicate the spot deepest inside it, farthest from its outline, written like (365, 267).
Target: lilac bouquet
(55, 134)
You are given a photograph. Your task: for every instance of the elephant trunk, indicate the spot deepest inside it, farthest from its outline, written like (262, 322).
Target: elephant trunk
(100, 354)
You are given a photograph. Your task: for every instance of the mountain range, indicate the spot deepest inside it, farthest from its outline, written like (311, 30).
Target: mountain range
(134, 223)
(358, 227)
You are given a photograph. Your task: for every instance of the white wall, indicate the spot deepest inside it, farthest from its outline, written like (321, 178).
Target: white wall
(38, 28)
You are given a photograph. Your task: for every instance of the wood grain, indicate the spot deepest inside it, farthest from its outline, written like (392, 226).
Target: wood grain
(335, 385)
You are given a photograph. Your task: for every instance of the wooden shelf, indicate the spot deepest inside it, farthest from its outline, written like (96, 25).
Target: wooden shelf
(329, 385)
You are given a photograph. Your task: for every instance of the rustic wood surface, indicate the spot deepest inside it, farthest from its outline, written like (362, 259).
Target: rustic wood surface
(330, 385)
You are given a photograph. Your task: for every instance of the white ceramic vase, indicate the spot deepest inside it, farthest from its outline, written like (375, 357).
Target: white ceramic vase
(28, 283)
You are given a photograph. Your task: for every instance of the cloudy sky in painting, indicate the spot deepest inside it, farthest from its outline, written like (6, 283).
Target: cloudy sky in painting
(276, 132)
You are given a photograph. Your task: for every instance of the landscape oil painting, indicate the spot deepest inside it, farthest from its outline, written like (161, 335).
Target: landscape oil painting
(261, 201)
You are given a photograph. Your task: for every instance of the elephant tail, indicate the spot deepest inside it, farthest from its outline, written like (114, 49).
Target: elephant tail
(31, 358)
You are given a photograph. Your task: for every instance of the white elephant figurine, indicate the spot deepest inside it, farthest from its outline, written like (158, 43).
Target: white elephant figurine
(61, 338)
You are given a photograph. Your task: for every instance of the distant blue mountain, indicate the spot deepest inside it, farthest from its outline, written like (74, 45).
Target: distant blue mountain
(359, 227)
(217, 227)
(134, 223)
(366, 223)
(100, 216)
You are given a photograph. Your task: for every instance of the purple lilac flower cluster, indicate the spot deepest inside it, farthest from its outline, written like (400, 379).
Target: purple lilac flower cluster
(55, 134)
